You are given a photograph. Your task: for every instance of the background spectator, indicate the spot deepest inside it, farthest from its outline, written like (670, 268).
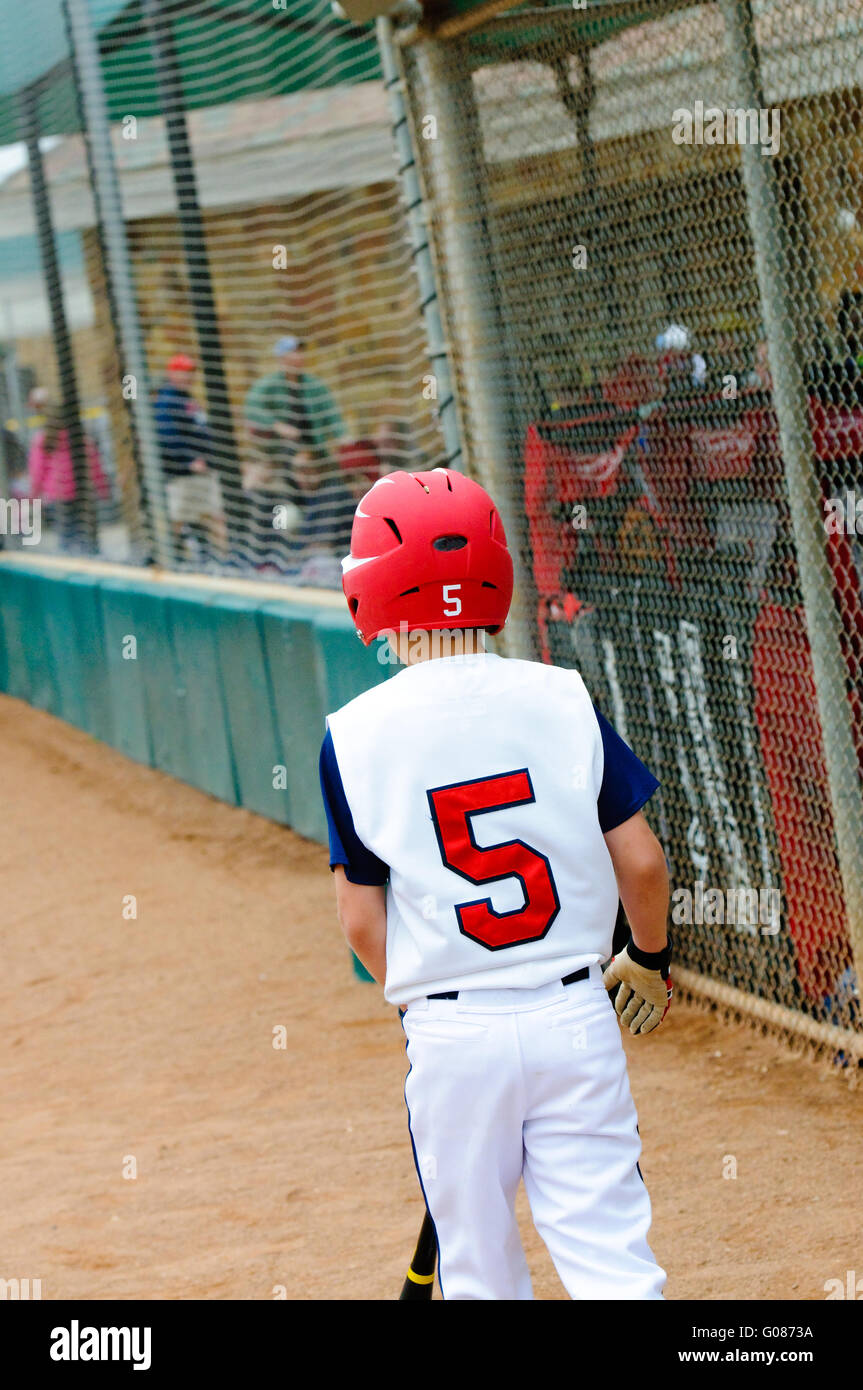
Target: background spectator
(326, 507)
(194, 496)
(52, 475)
(290, 409)
(287, 410)
(393, 442)
(681, 367)
(849, 321)
(360, 465)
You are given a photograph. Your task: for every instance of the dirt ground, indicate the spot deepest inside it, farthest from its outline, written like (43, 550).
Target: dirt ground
(145, 1045)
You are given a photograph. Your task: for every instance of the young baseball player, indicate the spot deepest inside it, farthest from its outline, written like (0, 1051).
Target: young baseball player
(484, 819)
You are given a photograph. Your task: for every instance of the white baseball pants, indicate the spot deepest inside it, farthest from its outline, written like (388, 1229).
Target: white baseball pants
(513, 1083)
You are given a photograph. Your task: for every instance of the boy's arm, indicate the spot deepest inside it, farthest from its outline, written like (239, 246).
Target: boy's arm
(641, 972)
(642, 880)
(360, 877)
(362, 909)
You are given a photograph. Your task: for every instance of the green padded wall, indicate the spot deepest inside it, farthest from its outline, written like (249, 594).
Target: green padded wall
(33, 600)
(121, 603)
(289, 642)
(4, 669)
(345, 666)
(164, 696)
(13, 617)
(221, 689)
(248, 697)
(209, 750)
(59, 612)
(84, 597)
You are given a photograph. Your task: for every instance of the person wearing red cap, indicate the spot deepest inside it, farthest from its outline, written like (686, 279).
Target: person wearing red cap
(194, 498)
(182, 364)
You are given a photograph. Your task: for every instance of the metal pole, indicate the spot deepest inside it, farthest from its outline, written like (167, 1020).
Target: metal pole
(456, 183)
(578, 103)
(4, 465)
(14, 395)
(11, 406)
(416, 213)
(804, 490)
(172, 102)
(107, 197)
(83, 505)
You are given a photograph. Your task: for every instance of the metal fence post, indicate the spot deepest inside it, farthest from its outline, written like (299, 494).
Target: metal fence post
(14, 395)
(159, 22)
(804, 489)
(121, 276)
(83, 505)
(416, 212)
(4, 469)
(12, 400)
(456, 178)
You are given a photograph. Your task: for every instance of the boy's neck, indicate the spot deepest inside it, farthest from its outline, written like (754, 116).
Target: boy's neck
(423, 645)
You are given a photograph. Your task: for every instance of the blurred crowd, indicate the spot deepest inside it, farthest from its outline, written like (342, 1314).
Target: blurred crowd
(301, 474)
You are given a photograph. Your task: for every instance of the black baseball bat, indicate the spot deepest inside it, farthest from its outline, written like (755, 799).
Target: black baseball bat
(419, 1283)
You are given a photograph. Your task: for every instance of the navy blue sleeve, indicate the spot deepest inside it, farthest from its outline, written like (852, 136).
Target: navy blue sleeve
(346, 848)
(626, 783)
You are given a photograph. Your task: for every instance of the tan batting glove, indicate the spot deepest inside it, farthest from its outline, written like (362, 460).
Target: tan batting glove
(643, 982)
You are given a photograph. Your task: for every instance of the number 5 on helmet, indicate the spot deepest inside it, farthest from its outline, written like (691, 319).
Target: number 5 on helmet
(428, 551)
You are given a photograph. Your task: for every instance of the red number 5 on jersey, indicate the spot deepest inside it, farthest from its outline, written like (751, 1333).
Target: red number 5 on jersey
(452, 811)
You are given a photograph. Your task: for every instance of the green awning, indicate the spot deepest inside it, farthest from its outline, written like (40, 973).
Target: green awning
(229, 50)
(244, 50)
(592, 22)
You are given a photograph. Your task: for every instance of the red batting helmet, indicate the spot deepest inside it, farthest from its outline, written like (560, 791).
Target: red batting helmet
(428, 550)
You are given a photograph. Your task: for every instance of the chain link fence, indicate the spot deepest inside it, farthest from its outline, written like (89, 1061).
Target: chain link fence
(649, 230)
(644, 334)
(220, 341)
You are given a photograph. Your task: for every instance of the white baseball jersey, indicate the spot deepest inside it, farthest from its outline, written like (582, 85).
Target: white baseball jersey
(479, 789)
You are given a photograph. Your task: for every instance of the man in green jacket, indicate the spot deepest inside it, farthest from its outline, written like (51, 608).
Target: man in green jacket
(290, 408)
(286, 411)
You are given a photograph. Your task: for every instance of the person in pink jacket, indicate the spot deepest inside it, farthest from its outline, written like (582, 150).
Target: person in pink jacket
(52, 476)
